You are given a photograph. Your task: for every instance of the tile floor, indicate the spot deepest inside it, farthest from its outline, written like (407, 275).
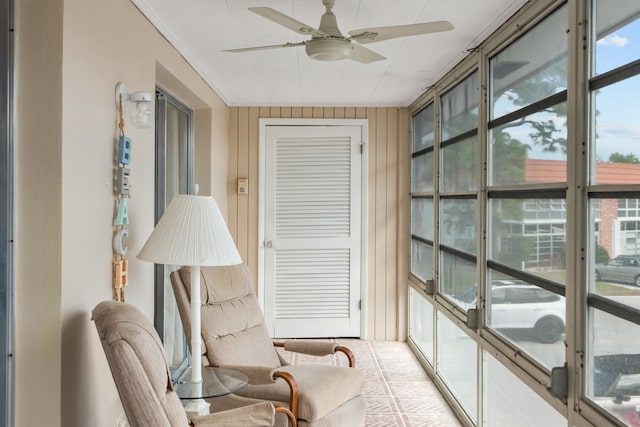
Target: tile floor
(398, 392)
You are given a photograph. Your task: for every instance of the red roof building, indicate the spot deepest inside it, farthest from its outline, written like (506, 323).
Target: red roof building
(547, 171)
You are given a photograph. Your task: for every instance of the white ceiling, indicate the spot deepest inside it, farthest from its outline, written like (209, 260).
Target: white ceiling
(201, 29)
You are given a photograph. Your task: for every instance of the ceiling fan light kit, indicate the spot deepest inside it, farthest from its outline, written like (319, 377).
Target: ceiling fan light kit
(328, 49)
(327, 42)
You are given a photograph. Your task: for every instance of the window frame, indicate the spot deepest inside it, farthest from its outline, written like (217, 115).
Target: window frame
(594, 193)
(577, 195)
(6, 211)
(535, 376)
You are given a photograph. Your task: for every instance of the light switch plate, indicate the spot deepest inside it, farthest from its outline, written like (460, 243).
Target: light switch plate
(243, 186)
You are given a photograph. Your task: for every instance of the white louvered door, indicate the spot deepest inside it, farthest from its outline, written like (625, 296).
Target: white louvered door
(312, 231)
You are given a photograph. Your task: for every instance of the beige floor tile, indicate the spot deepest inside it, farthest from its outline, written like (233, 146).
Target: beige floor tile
(398, 392)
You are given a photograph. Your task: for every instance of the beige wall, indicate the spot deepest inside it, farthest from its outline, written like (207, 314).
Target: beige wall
(387, 198)
(69, 56)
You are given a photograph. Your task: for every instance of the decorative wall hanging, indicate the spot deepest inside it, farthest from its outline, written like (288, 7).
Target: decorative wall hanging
(141, 118)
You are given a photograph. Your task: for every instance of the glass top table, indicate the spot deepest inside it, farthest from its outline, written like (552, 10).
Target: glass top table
(215, 382)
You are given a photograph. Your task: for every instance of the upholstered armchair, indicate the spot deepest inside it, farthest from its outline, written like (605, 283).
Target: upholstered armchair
(138, 365)
(235, 336)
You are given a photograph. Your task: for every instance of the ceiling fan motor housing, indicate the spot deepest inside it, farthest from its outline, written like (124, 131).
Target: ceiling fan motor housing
(328, 49)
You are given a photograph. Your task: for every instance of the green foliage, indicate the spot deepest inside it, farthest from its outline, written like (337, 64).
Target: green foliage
(509, 156)
(602, 255)
(623, 158)
(515, 250)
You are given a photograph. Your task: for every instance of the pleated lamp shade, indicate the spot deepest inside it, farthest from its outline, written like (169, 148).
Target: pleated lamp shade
(191, 232)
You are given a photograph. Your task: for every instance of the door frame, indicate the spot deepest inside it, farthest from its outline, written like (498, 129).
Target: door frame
(163, 99)
(364, 126)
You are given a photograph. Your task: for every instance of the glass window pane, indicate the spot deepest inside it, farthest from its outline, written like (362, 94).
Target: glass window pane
(421, 260)
(530, 317)
(530, 150)
(458, 224)
(613, 365)
(617, 33)
(615, 248)
(617, 135)
(459, 166)
(176, 173)
(459, 108)
(422, 173)
(421, 323)
(530, 235)
(423, 129)
(458, 280)
(422, 217)
(457, 363)
(510, 402)
(532, 68)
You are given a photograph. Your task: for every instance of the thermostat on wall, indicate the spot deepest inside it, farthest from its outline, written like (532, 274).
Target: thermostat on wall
(243, 185)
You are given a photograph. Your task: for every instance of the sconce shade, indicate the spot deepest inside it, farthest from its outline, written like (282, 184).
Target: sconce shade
(191, 232)
(142, 112)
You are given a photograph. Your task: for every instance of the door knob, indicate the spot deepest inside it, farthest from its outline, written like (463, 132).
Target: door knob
(270, 244)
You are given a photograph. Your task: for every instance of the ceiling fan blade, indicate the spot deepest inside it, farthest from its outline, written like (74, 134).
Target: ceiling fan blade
(287, 21)
(273, 46)
(364, 55)
(378, 34)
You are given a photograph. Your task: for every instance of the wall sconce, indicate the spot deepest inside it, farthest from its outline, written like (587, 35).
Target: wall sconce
(142, 115)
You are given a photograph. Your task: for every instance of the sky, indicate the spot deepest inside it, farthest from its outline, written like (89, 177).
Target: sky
(618, 105)
(618, 122)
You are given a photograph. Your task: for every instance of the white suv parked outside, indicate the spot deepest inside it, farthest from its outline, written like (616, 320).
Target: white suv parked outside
(525, 306)
(515, 304)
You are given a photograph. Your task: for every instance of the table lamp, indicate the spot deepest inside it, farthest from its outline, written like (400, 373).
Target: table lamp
(192, 232)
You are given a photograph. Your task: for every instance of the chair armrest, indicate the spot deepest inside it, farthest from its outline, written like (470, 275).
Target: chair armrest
(263, 375)
(257, 374)
(317, 348)
(289, 414)
(258, 414)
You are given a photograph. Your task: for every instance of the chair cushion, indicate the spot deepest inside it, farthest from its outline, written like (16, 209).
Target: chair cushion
(322, 389)
(138, 365)
(233, 329)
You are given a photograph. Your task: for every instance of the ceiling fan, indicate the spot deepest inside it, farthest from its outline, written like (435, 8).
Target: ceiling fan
(327, 42)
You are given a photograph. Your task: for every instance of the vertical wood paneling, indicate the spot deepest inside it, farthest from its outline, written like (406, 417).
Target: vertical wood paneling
(252, 215)
(387, 197)
(402, 211)
(243, 172)
(329, 113)
(350, 113)
(391, 218)
(373, 303)
(232, 204)
(380, 218)
(307, 112)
